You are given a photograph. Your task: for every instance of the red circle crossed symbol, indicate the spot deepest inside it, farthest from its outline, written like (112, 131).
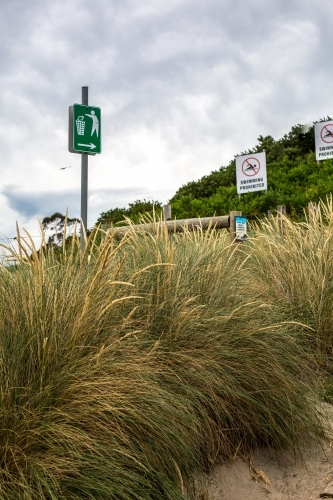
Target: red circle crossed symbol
(326, 133)
(250, 166)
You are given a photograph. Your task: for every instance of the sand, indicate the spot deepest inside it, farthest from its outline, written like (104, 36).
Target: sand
(266, 475)
(281, 478)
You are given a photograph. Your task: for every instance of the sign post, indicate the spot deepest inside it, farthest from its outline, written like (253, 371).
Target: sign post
(84, 184)
(251, 173)
(84, 138)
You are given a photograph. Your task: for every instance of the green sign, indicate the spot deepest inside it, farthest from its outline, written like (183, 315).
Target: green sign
(84, 129)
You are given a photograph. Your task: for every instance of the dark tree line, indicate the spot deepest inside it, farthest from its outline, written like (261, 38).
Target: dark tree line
(293, 175)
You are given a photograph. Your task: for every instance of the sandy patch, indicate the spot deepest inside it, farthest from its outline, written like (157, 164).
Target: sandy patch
(235, 480)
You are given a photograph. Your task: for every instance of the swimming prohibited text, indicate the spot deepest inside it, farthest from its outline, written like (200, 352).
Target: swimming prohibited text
(251, 173)
(324, 140)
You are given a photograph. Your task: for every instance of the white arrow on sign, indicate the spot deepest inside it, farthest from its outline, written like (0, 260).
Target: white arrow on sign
(91, 145)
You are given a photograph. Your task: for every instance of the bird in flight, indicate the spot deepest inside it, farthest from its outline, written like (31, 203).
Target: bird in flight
(63, 168)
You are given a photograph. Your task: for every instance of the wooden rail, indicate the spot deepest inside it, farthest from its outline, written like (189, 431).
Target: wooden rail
(173, 226)
(216, 222)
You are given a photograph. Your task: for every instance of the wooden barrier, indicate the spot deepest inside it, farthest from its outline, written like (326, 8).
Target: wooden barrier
(281, 213)
(167, 212)
(313, 214)
(173, 226)
(217, 222)
(232, 225)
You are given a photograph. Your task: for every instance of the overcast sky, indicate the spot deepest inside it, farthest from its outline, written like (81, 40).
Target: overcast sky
(183, 85)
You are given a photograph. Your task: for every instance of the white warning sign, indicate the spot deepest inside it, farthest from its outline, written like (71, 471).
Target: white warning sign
(324, 140)
(241, 228)
(251, 173)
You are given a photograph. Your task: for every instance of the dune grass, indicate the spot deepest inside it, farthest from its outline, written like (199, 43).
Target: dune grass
(127, 372)
(294, 273)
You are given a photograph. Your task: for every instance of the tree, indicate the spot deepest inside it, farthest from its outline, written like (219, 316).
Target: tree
(57, 224)
(134, 211)
(294, 179)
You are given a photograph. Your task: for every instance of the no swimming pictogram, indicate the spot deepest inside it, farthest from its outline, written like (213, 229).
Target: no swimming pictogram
(326, 133)
(251, 173)
(251, 166)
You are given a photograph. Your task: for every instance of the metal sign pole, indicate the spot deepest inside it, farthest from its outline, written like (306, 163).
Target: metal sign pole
(84, 183)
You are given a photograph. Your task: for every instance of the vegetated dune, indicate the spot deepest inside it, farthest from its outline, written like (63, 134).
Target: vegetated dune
(129, 371)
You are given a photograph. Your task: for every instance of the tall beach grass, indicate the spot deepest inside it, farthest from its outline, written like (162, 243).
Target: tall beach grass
(127, 372)
(294, 273)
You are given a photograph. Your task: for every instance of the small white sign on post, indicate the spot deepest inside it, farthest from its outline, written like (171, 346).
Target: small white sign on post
(241, 228)
(324, 140)
(251, 173)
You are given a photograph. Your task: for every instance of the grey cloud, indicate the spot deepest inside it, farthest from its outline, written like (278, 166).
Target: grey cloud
(205, 77)
(29, 204)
